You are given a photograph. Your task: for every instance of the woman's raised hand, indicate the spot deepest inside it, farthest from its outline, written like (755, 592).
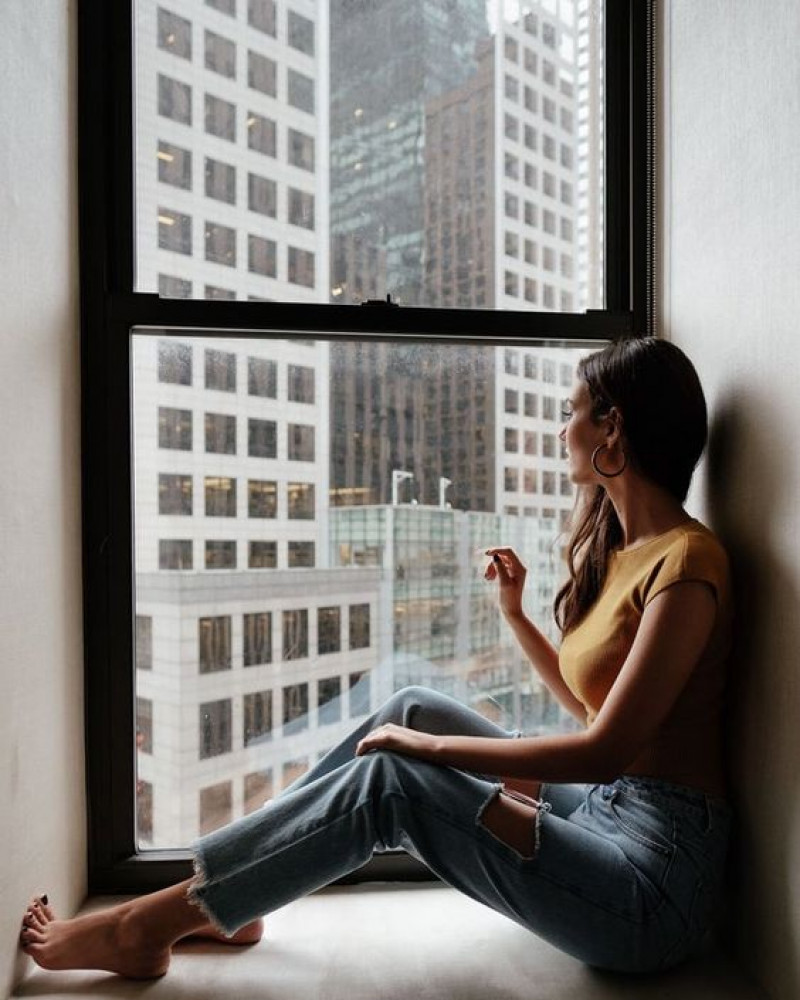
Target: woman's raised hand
(507, 569)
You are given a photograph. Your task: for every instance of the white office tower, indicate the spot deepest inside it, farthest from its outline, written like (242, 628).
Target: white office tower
(591, 154)
(252, 656)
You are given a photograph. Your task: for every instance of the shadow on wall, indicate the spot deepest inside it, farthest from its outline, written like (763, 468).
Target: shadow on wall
(748, 474)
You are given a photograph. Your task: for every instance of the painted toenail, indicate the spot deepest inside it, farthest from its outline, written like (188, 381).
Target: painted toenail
(44, 899)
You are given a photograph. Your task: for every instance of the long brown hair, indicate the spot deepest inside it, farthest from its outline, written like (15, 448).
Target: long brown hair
(655, 388)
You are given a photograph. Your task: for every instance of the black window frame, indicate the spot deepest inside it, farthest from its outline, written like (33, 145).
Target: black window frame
(110, 309)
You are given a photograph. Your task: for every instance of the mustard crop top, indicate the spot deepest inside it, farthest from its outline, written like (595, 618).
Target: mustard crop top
(688, 748)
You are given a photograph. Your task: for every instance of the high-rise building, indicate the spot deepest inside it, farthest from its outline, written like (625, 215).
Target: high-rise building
(388, 58)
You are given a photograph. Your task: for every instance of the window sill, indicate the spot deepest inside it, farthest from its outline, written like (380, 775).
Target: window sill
(387, 940)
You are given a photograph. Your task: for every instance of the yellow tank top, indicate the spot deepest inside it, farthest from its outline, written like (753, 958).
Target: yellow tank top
(688, 747)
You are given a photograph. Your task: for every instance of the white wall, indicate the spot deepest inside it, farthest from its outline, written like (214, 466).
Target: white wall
(731, 214)
(42, 805)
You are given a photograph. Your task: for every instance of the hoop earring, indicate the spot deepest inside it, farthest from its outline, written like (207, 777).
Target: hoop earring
(608, 475)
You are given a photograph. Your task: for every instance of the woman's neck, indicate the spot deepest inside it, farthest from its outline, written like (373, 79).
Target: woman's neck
(644, 509)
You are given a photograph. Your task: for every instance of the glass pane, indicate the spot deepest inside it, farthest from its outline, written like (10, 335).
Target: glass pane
(311, 519)
(448, 154)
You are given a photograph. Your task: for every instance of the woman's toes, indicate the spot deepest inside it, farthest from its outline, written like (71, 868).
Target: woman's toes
(33, 919)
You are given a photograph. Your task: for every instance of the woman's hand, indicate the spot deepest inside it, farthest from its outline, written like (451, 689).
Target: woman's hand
(507, 569)
(398, 738)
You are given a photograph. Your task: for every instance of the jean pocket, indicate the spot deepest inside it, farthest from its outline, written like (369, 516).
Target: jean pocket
(643, 822)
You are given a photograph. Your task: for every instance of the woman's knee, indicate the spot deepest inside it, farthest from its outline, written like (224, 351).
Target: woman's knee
(402, 706)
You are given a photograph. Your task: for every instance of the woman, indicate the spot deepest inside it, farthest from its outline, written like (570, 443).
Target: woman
(617, 855)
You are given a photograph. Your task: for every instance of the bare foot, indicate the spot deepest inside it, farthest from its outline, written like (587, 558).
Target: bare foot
(249, 934)
(112, 940)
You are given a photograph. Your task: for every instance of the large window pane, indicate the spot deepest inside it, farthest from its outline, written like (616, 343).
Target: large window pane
(373, 479)
(390, 113)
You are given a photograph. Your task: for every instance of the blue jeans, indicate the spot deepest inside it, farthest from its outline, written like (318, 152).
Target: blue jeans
(625, 876)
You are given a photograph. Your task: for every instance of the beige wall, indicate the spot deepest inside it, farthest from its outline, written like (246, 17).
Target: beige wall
(731, 242)
(42, 805)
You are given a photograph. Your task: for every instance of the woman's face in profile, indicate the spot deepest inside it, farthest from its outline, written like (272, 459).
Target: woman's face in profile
(580, 434)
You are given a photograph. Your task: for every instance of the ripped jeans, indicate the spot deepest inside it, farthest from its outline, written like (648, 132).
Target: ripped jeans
(624, 876)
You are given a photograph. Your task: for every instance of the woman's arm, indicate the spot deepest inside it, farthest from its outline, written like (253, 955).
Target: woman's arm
(672, 635)
(510, 574)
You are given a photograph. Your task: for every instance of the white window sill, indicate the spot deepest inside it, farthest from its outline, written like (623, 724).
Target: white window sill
(382, 941)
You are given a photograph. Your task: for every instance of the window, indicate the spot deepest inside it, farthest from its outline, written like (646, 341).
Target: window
(262, 498)
(531, 404)
(549, 483)
(257, 717)
(301, 149)
(220, 370)
(301, 500)
(214, 638)
(220, 181)
(220, 118)
(328, 630)
(220, 55)
(512, 244)
(300, 33)
(170, 287)
(262, 74)
(144, 810)
(300, 442)
(530, 481)
(359, 626)
(144, 725)
(257, 638)
(295, 634)
(511, 87)
(262, 195)
(257, 789)
(301, 555)
(174, 231)
(549, 445)
(144, 642)
(174, 363)
(175, 553)
(174, 34)
(301, 267)
(360, 684)
(223, 6)
(220, 434)
(301, 210)
(512, 401)
(262, 256)
(174, 428)
(220, 554)
(220, 244)
(262, 555)
(262, 378)
(261, 15)
(549, 408)
(216, 806)
(261, 134)
(511, 439)
(215, 728)
(329, 700)
(511, 127)
(295, 708)
(301, 91)
(301, 383)
(365, 267)
(530, 442)
(511, 361)
(220, 496)
(510, 479)
(174, 165)
(174, 100)
(221, 294)
(174, 494)
(531, 366)
(262, 438)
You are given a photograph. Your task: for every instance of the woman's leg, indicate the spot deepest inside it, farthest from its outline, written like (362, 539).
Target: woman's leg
(417, 708)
